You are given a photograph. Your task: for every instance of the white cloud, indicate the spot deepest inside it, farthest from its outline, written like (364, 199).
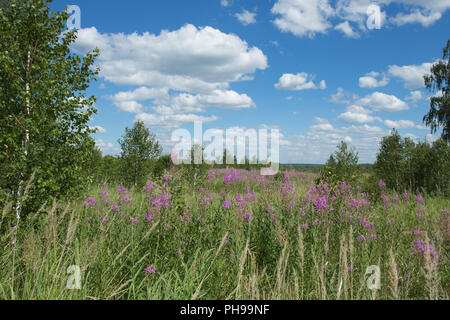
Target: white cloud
(98, 128)
(299, 81)
(370, 80)
(402, 124)
(358, 114)
(322, 125)
(171, 120)
(412, 75)
(129, 106)
(188, 59)
(416, 16)
(310, 17)
(342, 97)
(107, 148)
(224, 3)
(379, 101)
(321, 138)
(246, 17)
(302, 17)
(414, 96)
(225, 99)
(347, 30)
(197, 63)
(141, 94)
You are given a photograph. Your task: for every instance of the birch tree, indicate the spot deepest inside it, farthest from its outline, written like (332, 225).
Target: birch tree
(44, 110)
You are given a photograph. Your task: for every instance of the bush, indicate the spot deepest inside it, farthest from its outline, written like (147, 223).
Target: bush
(341, 166)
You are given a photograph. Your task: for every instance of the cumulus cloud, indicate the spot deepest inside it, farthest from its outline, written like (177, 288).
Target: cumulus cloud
(246, 17)
(343, 97)
(321, 138)
(299, 81)
(347, 29)
(370, 80)
(177, 72)
(402, 124)
(379, 101)
(311, 17)
(358, 114)
(302, 17)
(98, 128)
(170, 121)
(188, 59)
(107, 148)
(416, 16)
(414, 96)
(412, 75)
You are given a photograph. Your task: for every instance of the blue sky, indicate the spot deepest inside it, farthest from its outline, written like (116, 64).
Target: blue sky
(311, 68)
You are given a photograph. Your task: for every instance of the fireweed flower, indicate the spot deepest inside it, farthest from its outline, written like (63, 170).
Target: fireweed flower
(104, 192)
(126, 199)
(386, 201)
(405, 196)
(420, 247)
(361, 238)
(162, 201)
(419, 198)
(394, 197)
(148, 187)
(149, 217)
(304, 225)
(150, 269)
(227, 204)
(321, 203)
(247, 216)
(238, 197)
(381, 184)
(115, 208)
(373, 236)
(91, 202)
(201, 190)
(120, 189)
(419, 212)
(134, 220)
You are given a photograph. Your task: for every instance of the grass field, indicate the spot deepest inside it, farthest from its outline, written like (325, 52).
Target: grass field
(232, 235)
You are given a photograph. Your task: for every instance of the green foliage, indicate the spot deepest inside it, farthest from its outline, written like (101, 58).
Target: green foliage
(438, 80)
(341, 166)
(44, 111)
(403, 164)
(138, 146)
(159, 166)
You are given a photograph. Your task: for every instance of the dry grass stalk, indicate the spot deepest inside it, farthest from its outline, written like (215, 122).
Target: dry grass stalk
(393, 275)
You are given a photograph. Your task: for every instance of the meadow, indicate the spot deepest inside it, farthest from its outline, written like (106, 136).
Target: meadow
(231, 234)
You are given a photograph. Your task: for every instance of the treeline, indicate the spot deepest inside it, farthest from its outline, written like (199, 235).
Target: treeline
(401, 164)
(405, 165)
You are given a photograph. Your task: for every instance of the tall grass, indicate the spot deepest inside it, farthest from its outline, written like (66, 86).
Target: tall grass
(283, 243)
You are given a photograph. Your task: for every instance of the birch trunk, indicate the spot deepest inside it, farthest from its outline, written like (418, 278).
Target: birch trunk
(26, 141)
